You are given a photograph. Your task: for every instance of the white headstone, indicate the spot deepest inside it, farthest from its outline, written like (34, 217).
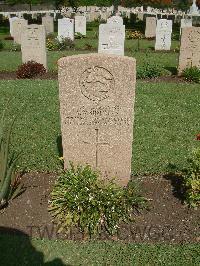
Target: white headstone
(11, 24)
(185, 23)
(115, 19)
(80, 24)
(65, 28)
(194, 9)
(111, 39)
(18, 27)
(150, 30)
(48, 23)
(163, 34)
(33, 44)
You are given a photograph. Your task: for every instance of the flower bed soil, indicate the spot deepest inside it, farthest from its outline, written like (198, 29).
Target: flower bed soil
(166, 221)
(6, 75)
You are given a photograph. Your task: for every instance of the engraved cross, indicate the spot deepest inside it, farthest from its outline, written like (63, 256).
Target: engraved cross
(97, 144)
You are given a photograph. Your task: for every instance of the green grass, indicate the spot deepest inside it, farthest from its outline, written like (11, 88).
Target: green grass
(21, 251)
(166, 122)
(11, 60)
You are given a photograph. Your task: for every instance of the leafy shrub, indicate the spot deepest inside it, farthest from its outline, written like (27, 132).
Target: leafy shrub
(1, 45)
(191, 180)
(53, 44)
(134, 35)
(10, 185)
(150, 71)
(30, 70)
(192, 74)
(80, 199)
(65, 44)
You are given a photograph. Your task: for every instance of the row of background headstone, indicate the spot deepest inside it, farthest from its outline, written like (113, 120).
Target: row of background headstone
(111, 37)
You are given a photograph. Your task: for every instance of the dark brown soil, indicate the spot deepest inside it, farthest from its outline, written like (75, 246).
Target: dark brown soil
(167, 79)
(167, 219)
(4, 75)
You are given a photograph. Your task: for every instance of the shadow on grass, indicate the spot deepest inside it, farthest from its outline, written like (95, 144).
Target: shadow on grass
(59, 145)
(17, 249)
(173, 70)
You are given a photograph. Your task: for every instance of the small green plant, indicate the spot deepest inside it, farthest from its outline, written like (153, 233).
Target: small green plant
(192, 74)
(65, 44)
(191, 180)
(15, 47)
(10, 185)
(150, 71)
(30, 69)
(80, 199)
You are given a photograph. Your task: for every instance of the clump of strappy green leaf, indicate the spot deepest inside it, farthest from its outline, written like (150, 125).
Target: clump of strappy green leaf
(81, 199)
(10, 185)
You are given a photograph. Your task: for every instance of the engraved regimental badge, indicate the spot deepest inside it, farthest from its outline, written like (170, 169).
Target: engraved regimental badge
(96, 83)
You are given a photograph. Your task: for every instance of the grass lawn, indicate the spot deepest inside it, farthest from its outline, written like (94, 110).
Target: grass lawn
(166, 122)
(21, 251)
(10, 60)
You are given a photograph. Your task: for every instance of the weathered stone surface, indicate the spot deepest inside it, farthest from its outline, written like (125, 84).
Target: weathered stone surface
(65, 28)
(33, 44)
(18, 27)
(190, 48)
(48, 23)
(80, 24)
(150, 31)
(163, 34)
(97, 109)
(111, 39)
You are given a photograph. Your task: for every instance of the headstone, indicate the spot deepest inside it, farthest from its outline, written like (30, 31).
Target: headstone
(97, 111)
(33, 44)
(104, 16)
(18, 27)
(141, 16)
(185, 23)
(94, 16)
(115, 19)
(111, 38)
(190, 48)
(11, 25)
(48, 23)
(194, 9)
(80, 24)
(163, 34)
(65, 28)
(150, 31)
